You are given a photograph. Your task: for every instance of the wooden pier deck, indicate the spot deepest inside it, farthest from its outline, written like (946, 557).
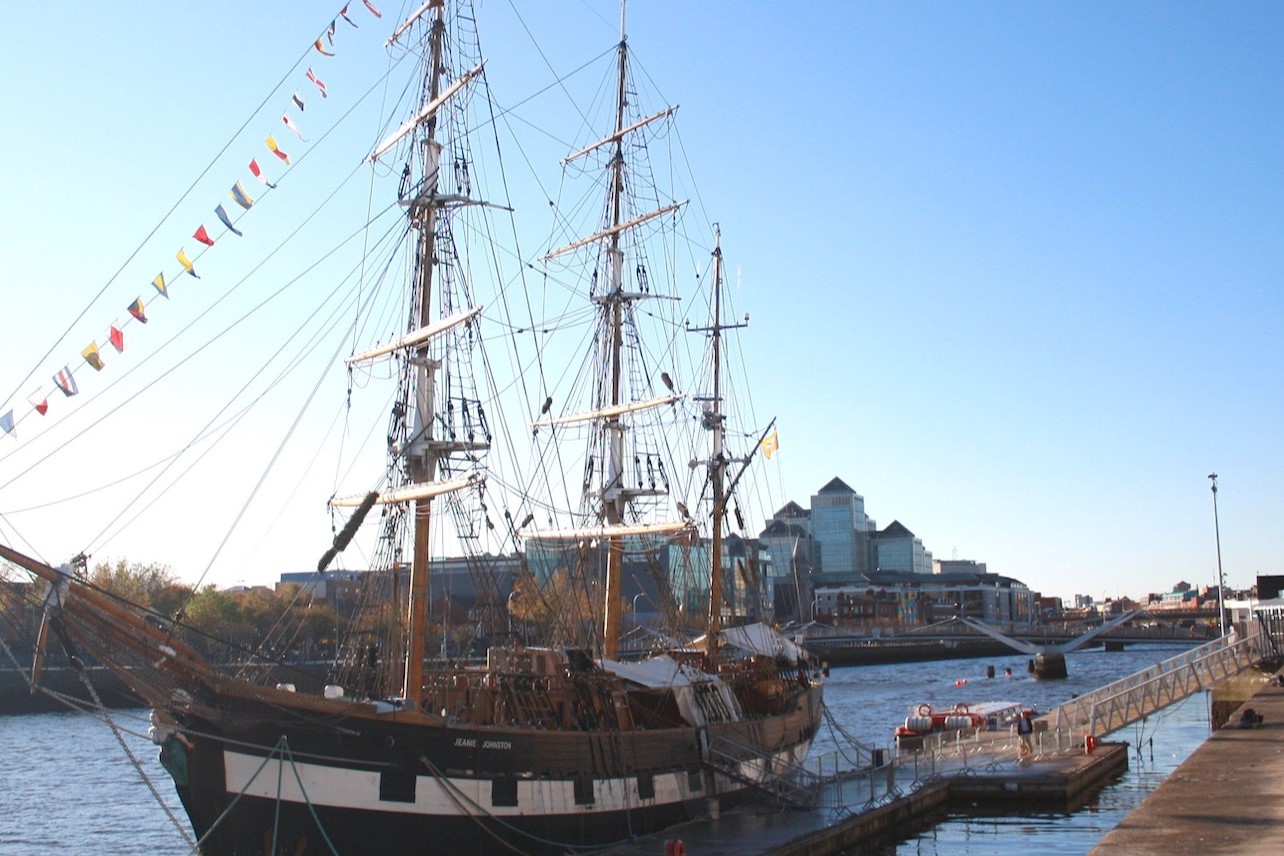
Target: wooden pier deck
(1228, 796)
(995, 775)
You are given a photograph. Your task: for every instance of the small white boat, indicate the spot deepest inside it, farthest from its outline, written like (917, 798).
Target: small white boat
(963, 718)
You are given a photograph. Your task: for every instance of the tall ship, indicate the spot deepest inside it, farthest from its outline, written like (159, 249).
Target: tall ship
(562, 420)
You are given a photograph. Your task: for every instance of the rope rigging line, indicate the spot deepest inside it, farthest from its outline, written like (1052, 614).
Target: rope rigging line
(220, 334)
(133, 759)
(243, 388)
(298, 161)
(161, 222)
(478, 813)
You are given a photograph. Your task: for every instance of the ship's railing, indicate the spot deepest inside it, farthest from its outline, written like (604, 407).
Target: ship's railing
(1138, 696)
(791, 783)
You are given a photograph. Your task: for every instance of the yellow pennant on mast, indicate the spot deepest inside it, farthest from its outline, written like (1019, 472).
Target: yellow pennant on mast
(770, 444)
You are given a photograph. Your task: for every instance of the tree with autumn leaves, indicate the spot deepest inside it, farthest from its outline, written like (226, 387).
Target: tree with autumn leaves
(562, 610)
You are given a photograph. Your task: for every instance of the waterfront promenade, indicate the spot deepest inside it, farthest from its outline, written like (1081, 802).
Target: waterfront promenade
(1228, 797)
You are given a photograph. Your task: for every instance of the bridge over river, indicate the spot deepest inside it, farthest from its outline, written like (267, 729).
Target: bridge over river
(954, 639)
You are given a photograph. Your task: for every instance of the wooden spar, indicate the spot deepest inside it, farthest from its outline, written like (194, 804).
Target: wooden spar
(604, 412)
(38, 664)
(100, 610)
(717, 465)
(411, 492)
(613, 231)
(592, 532)
(428, 113)
(619, 134)
(418, 337)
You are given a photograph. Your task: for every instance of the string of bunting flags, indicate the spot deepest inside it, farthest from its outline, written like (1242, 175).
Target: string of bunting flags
(65, 380)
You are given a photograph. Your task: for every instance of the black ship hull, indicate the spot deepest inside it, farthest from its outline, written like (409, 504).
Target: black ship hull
(297, 785)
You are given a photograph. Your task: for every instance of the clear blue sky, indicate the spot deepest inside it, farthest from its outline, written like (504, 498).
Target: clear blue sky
(1013, 268)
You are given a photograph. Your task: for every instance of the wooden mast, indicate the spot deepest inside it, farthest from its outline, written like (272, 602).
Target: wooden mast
(613, 478)
(423, 462)
(717, 462)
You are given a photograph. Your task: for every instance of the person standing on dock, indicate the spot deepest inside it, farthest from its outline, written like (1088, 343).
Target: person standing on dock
(1024, 729)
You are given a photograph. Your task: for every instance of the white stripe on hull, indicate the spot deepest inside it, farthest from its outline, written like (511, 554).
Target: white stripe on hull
(340, 787)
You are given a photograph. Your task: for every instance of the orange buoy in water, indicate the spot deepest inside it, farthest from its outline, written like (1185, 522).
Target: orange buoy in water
(960, 682)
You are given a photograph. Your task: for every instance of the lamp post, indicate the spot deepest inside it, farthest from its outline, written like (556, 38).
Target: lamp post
(1221, 579)
(635, 608)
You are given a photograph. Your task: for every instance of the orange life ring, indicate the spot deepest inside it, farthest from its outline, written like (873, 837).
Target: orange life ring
(924, 709)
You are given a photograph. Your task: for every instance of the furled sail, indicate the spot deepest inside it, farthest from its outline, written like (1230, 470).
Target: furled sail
(411, 492)
(619, 135)
(609, 531)
(416, 337)
(608, 412)
(616, 229)
(425, 114)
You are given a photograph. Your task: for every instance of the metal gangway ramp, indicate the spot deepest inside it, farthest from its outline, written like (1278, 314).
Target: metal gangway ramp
(1138, 696)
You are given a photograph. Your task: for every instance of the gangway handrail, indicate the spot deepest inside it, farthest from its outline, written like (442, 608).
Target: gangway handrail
(793, 783)
(1130, 699)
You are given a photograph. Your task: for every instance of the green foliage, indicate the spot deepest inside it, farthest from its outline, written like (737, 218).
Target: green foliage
(138, 583)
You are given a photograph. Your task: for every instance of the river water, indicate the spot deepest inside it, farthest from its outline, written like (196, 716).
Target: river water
(67, 785)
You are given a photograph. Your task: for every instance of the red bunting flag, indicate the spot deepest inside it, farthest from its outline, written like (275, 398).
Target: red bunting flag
(316, 81)
(371, 7)
(136, 309)
(343, 13)
(39, 402)
(276, 150)
(117, 339)
(257, 173)
(204, 237)
(321, 48)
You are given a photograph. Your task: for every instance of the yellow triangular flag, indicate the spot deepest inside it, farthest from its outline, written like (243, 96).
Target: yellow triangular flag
(92, 356)
(186, 263)
(770, 444)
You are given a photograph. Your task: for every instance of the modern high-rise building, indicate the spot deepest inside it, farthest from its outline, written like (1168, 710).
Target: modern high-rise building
(898, 549)
(841, 527)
